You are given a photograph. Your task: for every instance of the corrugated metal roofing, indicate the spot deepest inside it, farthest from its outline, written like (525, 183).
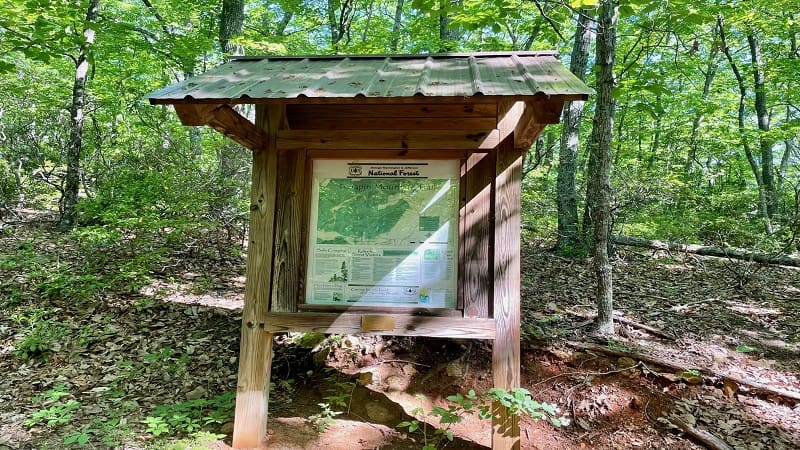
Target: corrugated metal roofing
(254, 79)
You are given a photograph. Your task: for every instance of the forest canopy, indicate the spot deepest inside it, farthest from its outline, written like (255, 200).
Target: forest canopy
(705, 101)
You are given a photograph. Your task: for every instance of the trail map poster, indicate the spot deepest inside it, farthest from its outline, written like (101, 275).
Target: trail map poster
(383, 233)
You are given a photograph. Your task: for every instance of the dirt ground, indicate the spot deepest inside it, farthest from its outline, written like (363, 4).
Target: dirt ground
(177, 339)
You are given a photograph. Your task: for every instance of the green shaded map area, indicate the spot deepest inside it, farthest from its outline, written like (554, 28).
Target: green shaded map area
(362, 210)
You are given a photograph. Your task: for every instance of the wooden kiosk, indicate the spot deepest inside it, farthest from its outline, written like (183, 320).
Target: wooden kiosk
(407, 170)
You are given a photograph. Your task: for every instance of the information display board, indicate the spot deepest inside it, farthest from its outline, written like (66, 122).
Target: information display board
(383, 233)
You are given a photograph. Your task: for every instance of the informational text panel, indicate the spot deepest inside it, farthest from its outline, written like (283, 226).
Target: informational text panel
(383, 233)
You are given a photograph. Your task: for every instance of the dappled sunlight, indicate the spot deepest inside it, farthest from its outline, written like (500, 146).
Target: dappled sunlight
(744, 308)
(193, 291)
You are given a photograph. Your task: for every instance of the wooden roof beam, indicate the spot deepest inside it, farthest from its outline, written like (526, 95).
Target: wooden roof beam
(224, 119)
(391, 140)
(526, 119)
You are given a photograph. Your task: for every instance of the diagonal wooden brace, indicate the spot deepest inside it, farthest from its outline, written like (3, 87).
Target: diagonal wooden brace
(224, 119)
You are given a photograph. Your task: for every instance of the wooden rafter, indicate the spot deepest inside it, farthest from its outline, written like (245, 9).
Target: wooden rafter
(526, 120)
(381, 139)
(225, 120)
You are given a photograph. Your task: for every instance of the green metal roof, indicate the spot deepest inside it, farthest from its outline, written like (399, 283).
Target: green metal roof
(294, 78)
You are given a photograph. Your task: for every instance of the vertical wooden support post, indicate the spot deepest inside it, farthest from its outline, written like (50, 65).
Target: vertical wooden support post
(476, 235)
(255, 355)
(506, 352)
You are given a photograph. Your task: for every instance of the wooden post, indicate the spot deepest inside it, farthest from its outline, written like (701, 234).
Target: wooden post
(506, 352)
(255, 355)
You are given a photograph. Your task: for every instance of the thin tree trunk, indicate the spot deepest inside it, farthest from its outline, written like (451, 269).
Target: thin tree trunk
(710, 73)
(281, 29)
(333, 24)
(656, 143)
(398, 18)
(567, 197)
(368, 21)
(765, 144)
(790, 143)
(340, 15)
(741, 117)
(600, 146)
(75, 145)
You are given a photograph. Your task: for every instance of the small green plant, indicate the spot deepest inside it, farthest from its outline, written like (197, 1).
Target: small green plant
(339, 390)
(105, 430)
(339, 394)
(692, 372)
(518, 401)
(54, 416)
(201, 440)
(323, 419)
(156, 425)
(42, 336)
(74, 283)
(190, 416)
(80, 437)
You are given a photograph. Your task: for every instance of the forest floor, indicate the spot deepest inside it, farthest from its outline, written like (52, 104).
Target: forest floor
(154, 366)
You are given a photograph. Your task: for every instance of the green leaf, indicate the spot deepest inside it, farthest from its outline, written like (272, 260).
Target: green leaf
(745, 349)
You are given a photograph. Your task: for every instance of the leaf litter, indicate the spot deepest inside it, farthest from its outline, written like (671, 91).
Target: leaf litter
(176, 339)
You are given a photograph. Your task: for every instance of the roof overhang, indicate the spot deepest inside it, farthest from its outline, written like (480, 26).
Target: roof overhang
(324, 97)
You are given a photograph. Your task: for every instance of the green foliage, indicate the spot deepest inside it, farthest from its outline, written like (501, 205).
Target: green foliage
(323, 419)
(40, 336)
(106, 430)
(518, 401)
(338, 390)
(57, 413)
(190, 416)
(338, 394)
(68, 283)
(201, 440)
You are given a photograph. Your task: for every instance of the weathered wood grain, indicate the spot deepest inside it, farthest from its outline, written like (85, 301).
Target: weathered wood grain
(387, 154)
(289, 231)
(195, 115)
(405, 325)
(391, 123)
(255, 355)
(476, 236)
(376, 140)
(424, 110)
(237, 128)
(413, 311)
(506, 352)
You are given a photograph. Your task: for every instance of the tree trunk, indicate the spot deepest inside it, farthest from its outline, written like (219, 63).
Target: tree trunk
(765, 143)
(281, 28)
(75, 145)
(710, 73)
(447, 34)
(741, 117)
(656, 143)
(600, 147)
(368, 21)
(340, 14)
(567, 197)
(231, 25)
(398, 18)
